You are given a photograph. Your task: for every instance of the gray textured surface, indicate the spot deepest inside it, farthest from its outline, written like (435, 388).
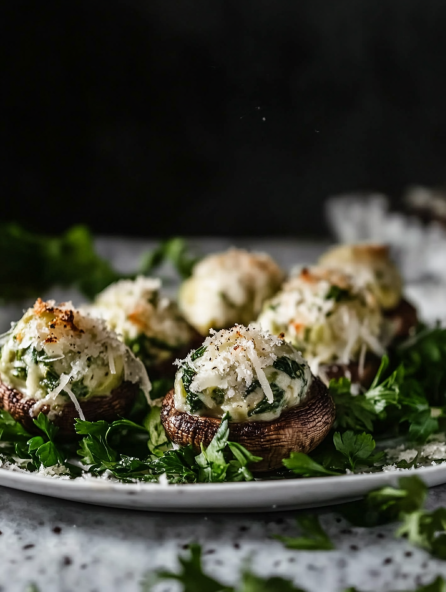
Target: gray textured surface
(67, 547)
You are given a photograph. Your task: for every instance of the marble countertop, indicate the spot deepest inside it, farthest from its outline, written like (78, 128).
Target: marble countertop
(69, 547)
(63, 546)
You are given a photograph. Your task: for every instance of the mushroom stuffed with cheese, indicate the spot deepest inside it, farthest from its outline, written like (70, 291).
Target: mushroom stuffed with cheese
(65, 364)
(149, 323)
(372, 267)
(275, 404)
(228, 288)
(334, 322)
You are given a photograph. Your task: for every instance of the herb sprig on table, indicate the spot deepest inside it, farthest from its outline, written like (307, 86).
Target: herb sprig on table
(127, 450)
(32, 263)
(137, 448)
(406, 399)
(193, 578)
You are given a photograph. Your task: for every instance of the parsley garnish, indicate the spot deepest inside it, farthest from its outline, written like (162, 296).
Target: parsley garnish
(193, 579)
(314, 537)
(33, 263)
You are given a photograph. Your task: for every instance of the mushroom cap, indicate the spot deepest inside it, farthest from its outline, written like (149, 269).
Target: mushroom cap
(106, 407)
(351, 371)
(298, 429)
(403, 317)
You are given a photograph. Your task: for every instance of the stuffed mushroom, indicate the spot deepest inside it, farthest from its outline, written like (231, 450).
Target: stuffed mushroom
(276, 406)
(373, 268)
(228, 288)
(65, 364)
(149, 323)
(335, 323)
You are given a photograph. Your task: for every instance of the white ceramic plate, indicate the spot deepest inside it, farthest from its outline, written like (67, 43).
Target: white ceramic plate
(255, 496)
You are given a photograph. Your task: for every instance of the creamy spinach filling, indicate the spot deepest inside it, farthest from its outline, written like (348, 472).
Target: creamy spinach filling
(151, 350)
(37, 374)
(285, 376)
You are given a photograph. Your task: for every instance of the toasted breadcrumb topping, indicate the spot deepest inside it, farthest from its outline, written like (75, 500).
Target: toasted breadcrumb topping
(55, 351)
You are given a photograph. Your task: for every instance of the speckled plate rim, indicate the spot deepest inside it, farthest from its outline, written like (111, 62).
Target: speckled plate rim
(254, 496)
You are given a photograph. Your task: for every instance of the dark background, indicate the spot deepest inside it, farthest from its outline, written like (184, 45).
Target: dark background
(215, 117)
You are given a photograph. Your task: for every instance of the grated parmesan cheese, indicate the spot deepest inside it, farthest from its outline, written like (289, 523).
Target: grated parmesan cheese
(371, 266)
(135, 308)
(241, 371)
(324, 314)
(56, 351)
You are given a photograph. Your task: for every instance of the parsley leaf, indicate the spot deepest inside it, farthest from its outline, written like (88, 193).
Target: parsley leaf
(174, 250)
(48, 453)
(303, 465)
(424, 358)
(426, 530)
(314, 537)
(238, 468)
(32, 263)
(10, 429)
(357, 448)
(178, 465)
(212, 462)
(387, 504)
(191, 575)
(158, 442)
(352, 412)
(385, 393)
(289, 366)
(193, 579)
(251, 582)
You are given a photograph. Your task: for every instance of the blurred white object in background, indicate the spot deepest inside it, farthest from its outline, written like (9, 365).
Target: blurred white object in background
(418, 247)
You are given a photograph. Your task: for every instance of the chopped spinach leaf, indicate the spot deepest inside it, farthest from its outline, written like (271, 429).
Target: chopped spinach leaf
(264, 406)
(290, 367)
(337, 294)
(192, 399)
(20, 372)
(255, 384)
(198, 353)
(80, 389)
(218, 395)
(51, 380)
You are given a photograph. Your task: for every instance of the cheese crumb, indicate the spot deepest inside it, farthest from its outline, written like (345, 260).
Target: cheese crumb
(245, 371)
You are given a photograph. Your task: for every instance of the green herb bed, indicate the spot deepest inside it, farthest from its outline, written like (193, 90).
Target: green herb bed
(405, 405)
